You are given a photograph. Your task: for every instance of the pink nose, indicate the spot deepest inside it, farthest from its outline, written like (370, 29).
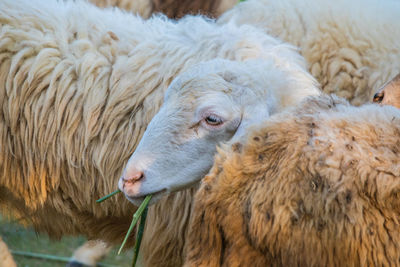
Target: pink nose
(132, 177)
(129, 182)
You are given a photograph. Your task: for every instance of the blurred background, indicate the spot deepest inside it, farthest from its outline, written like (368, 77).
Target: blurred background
(23, 239)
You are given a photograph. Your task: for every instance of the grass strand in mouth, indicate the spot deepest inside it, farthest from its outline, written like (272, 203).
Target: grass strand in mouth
(139, 237)
(141, 213)
(108, 196)
(135, 219)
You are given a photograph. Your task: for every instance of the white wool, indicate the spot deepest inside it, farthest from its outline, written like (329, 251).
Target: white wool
(351, 47)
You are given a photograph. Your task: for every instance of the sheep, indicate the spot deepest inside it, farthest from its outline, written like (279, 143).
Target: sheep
(195, 116)
(6, 259)
(207, 104)
(171, 8)
(78, 87)
(389, 94)
(315, 186)
(351, 47)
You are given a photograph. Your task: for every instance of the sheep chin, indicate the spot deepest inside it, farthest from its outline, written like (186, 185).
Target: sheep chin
(137, 200)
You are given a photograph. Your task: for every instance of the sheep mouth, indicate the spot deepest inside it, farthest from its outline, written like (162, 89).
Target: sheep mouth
(137, 200)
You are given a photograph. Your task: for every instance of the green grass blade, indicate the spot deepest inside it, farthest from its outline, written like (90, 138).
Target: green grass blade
(135, 219)
(40, 256)
(139, 236)
(108, 196)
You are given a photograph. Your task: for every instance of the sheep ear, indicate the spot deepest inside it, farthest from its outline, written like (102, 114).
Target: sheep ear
(393, 82)
(253, 113)
(251, 117)
(396, 79)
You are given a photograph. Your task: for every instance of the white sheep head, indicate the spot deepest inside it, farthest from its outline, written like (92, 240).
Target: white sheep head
(210, 103)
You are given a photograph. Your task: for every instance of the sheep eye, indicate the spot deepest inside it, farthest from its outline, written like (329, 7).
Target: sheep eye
(378, 97)
(213, 120)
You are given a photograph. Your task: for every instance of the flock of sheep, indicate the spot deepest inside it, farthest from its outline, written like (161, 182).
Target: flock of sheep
(295, 176)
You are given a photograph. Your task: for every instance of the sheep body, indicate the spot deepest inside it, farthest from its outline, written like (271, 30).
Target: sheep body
(314, 186)
(78, 86)
(350, 47)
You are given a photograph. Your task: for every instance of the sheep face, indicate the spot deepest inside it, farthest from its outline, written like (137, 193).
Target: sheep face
(202, 107)
(389, 94)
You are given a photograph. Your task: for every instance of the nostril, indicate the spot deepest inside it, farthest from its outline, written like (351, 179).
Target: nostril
(132, 178)
(378, 97)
